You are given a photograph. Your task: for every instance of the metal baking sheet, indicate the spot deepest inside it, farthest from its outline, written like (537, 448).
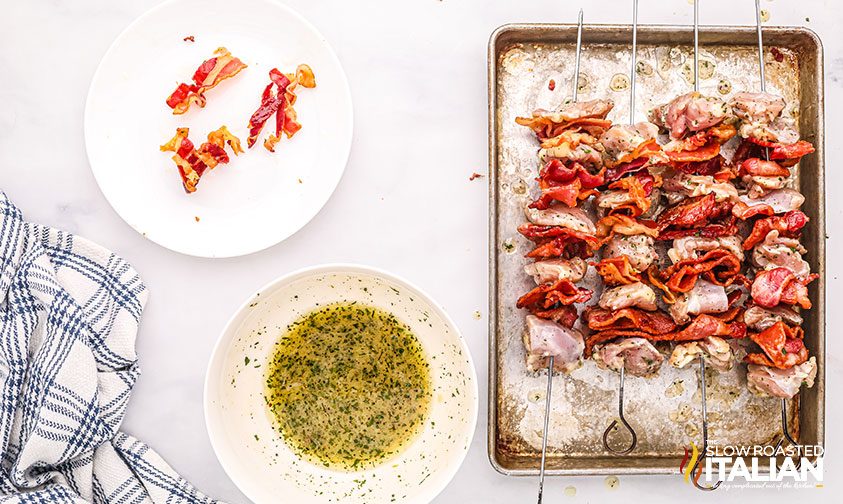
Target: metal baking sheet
(664, 409)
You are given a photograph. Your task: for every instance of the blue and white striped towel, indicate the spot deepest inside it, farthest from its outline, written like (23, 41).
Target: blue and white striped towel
(69, 313)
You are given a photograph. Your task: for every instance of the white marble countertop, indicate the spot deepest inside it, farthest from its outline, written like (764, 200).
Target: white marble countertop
(418, 66)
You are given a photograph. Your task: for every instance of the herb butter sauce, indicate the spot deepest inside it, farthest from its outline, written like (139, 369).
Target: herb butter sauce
(348, 385)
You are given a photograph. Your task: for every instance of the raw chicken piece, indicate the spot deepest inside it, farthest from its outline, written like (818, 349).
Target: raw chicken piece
(636, 355)
(698, 185)
(690, 112)
(544, 338)
(551, 270)
(780, 252)
(759, 185)
(781, 130)
(622, 139)
(640, 250)
(559, 214)
(760, 318)
(573, 111)
(691, 247)
(623, 296)
(704, 297)
(781, 200)
(716, 352)
(785, 383)
(756, 107)
(583, 154)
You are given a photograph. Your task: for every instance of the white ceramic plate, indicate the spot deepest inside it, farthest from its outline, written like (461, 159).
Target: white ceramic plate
(256, 457)
(259, 198)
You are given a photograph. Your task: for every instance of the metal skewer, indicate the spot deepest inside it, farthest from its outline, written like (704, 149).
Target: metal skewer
(704, 408)
(550, 359)
(785, 431)
(613, 426)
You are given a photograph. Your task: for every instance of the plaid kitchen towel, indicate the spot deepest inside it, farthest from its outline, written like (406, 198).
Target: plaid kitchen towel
(69, 313)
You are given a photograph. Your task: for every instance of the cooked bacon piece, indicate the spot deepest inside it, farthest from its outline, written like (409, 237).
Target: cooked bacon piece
(278, 99)
(651, 322)
(759, 318)
(689, 247)
(572, 145)
(716, 351)
(621, 224)
(755, 166)
(704, 153)
(616, 172)
(540, 234)
(787, 225)
(689, 112)
(551, 295)
(727, 228)
(782, 346)
(636, 294)
(701, 140)
(567, 185)
(638, 249)
(617, 271)
(718, 266)
(565, 245)
(552, 270)
(780, 285)
(544, 338)
(774, 202)
(693, 212)
(636, 356)
(561, 215)
(629, 195)
(784, 383)
(565, 314)
(789, 154)
(192, 162)
(589, 114)
(210, 73)
(704, 297)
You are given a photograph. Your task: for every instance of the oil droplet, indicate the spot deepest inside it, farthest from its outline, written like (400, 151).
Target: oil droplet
(519, 187)
(707, 67)
(688, 73)
(724, 87)
(508, 246)
(676, 56)
(612, 482)
(582, 83)
(476, 314)
(675, 389)
(644, 68)
(691, 430)
(765, 15)
(535, 395)
(619, 82)
(570, 491)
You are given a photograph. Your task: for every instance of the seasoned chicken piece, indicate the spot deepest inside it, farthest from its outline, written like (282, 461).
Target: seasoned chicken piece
(689, 112)
(780, 252)
(640, 250)
(782, 130)
(559, 214)
(584, 154)
(716, 351)
(552, 270)
(704, 297)
(691, 247)
(760, 185)
(767, 381)
(780, 200)
(756, 107)
(544, 338)
(573, 111)
(760, 318)
(622, 139)
(698, 185)
(623, 296)
(636, 355)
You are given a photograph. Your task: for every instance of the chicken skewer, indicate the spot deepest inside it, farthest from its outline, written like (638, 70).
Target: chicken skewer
(551, 358)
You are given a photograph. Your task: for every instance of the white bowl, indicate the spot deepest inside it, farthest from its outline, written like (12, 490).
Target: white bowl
(256, 457)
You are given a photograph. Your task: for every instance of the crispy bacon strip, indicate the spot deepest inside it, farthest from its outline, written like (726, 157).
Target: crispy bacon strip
(552, 295)
(192, 162)
(782, 346)
(645, 150)
(278, 99)
(618, 171)
(211, 72)
(567, 185)
(709, 324)
(703, 153)
(654, 276)
(763, 168)
(779, 285)
(656, 322)
(789, 153)
(565, 314)
(545, 128)
(718, 266)
(639, 187)
(690, 213)
(617, 271)
(611, 225)
(700, 215)
(788, 225)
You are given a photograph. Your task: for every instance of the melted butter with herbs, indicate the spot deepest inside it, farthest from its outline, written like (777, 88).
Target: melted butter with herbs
(348, 386)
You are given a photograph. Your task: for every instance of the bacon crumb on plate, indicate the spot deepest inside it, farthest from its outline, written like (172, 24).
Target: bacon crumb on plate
(190, 38)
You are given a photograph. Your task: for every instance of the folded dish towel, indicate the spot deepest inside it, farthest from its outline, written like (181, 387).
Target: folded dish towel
(69, 313)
